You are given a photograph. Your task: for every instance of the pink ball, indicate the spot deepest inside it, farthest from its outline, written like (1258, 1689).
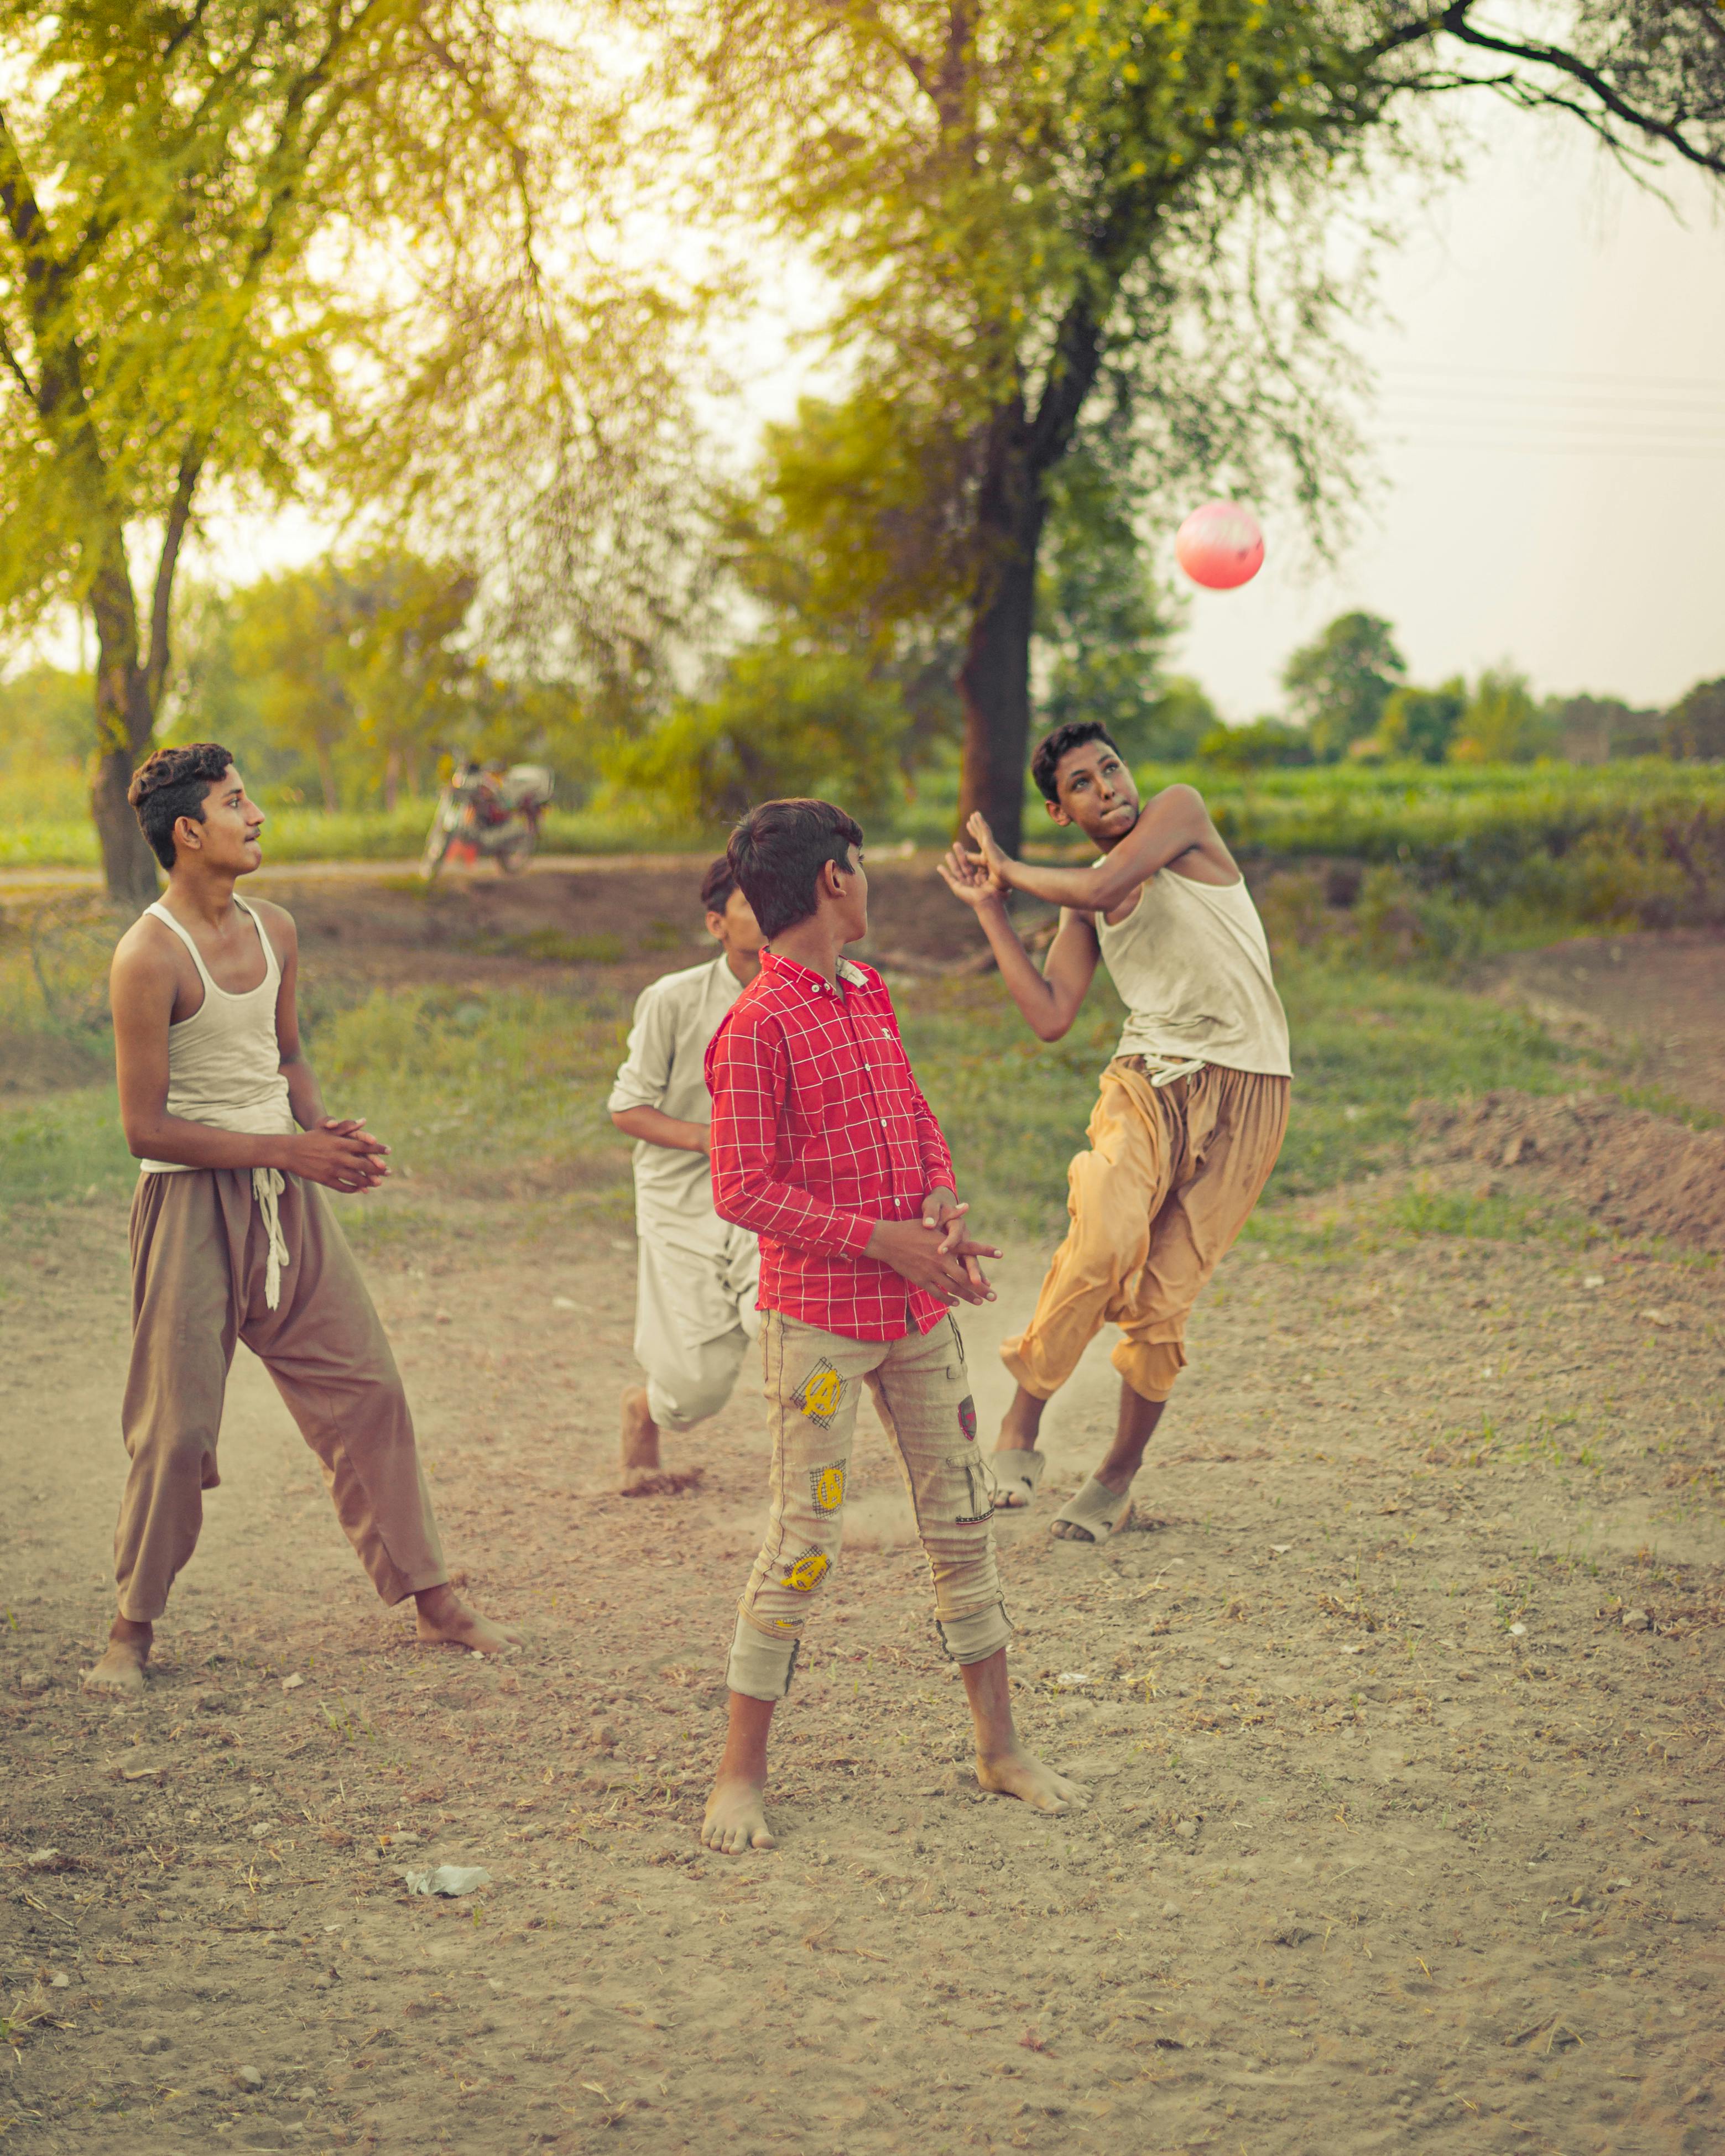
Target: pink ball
(1220, 545)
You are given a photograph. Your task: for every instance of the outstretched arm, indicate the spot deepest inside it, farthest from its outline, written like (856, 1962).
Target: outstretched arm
(1050, 999)
(1174, 823)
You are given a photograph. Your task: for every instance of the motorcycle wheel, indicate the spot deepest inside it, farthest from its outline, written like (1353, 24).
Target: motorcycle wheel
(437, 844)
(513, 858)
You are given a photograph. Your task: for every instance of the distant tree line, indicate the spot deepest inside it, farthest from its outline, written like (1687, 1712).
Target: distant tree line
(1349, 696)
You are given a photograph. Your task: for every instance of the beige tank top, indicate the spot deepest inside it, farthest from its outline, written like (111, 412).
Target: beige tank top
(224, 1062)
(1192, 963)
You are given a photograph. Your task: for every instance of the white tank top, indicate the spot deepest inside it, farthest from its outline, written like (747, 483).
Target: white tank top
(1192, 963)
(224, 1061)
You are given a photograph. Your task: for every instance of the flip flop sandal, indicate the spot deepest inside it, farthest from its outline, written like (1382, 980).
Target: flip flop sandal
(1015, 1487)
(1096, 1509)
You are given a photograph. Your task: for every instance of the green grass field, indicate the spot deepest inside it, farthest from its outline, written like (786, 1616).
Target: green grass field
(1535, 845)
(502, 1096)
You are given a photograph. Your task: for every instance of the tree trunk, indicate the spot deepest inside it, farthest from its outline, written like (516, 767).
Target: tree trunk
(995, 680)
(125, 721)
(326, 773)
(391, 780)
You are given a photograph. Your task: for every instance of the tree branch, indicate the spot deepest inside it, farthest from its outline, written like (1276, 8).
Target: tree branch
(9, 359)
(179, 518)
(1454, 20)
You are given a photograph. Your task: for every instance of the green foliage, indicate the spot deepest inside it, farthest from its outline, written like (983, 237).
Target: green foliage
(1102, 625)
(1338, 684)
(44, 716)
(1594, 729)
(1421, 724)
(1502, 724)
(1695, 727)
(309, 247)
(1267, 744)
(781, 721)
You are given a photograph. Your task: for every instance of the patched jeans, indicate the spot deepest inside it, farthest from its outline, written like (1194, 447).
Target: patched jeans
(814, 1386)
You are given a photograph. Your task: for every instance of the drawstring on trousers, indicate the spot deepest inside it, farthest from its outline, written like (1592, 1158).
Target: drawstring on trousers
(1166, 1075)
(267, 1187)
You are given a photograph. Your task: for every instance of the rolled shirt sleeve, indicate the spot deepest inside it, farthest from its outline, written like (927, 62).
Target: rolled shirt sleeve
(748, 1070)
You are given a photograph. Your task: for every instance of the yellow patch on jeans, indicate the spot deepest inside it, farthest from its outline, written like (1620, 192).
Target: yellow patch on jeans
(822, 1391)
(826, 1486)
(808, 1571)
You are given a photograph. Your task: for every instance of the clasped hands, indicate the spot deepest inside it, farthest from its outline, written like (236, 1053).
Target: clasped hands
(339, 1152)
(935, 1252)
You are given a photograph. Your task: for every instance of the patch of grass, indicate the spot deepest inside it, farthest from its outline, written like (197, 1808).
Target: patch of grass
(557, 948)
(71, 1146)
(1366, 1045)
(484, 1096)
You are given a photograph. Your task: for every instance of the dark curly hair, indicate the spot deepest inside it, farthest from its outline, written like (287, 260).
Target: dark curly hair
(171, 783)
(1046, 761)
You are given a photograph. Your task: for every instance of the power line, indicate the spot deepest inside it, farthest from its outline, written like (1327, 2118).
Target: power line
(1678, 382)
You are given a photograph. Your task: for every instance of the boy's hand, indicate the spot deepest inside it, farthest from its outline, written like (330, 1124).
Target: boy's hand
(988, 855)
(342, 1155)
(943, 1215)
(921, 1256)
(968, 880)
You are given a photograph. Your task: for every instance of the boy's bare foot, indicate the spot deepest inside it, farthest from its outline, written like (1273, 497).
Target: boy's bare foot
(735, 1818)
(640, 1473)
(638, 1460)
(121, 1667)
(1033, 1781)
(444, 1620)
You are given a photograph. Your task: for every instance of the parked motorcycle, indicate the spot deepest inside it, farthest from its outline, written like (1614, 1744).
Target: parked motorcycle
(487, 814)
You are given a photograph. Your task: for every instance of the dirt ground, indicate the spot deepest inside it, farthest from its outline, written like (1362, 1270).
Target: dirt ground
(1402, 1728)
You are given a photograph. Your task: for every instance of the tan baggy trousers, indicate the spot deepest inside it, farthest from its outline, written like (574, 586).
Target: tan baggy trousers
(815, 1381)
(199, 1251)
(1171, 1178)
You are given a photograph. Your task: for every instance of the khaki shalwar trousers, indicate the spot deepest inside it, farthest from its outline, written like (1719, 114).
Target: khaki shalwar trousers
(813, 1384)
(200, 1251)
(1171, 1178)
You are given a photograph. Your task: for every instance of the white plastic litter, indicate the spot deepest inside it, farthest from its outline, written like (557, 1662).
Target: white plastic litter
(448, 1879)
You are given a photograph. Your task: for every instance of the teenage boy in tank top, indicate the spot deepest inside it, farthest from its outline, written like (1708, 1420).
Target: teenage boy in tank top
(232, 1237)
(1191, 1112)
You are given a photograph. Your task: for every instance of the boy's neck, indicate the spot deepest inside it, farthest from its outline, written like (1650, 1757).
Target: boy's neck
(200, 893)
(813, 943)
(744, 964)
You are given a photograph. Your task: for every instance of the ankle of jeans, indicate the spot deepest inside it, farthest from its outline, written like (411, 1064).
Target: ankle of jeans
(760, 1663)
(975, 1637)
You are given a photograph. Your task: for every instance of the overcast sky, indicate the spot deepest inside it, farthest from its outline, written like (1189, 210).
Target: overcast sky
(1550, 432)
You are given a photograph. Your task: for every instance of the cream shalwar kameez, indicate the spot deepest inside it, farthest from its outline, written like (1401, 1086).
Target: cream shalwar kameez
(697, 1277)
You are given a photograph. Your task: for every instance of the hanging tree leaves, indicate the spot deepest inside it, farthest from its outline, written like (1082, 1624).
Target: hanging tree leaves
(343, 252)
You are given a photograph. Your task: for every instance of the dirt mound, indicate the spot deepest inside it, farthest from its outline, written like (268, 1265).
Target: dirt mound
(1641, 1173)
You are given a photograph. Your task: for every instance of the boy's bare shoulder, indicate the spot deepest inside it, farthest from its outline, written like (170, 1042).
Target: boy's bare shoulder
(146, 956)
(1180, 795)
(275, 918)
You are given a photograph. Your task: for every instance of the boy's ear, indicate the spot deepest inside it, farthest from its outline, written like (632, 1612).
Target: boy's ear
(1055, 811)
(715, 926)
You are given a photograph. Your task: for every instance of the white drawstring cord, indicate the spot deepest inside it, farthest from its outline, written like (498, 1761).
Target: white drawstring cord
(267, 1187)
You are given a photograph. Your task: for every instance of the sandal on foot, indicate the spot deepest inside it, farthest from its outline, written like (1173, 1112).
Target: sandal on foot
(1096, 1509)
(1016, 1486)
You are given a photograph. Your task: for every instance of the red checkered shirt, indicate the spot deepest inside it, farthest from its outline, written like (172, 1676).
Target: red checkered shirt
(819, 1130)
